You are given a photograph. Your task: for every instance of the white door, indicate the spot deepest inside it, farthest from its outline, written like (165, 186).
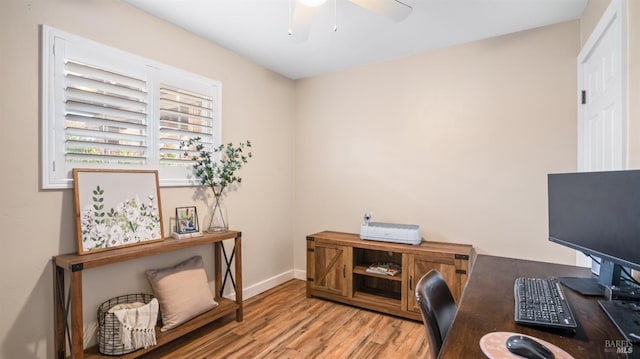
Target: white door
(602, 135)
(602, 124)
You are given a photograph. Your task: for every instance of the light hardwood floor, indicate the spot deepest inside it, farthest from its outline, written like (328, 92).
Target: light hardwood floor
(284, 323)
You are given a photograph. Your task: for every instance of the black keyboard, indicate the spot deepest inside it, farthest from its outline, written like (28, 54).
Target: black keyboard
(541, 301)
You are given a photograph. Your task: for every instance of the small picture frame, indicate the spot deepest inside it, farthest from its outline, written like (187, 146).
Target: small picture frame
(186, 220)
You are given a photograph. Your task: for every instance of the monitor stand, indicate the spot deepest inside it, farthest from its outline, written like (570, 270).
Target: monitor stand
(609, 275)
(584, 286)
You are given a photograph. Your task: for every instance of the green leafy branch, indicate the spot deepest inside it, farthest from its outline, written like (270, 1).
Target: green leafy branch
(98, 205)
(221, 173)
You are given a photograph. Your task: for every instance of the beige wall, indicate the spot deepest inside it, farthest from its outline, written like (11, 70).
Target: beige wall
(458, 140)
(257, 105)
(590, 17)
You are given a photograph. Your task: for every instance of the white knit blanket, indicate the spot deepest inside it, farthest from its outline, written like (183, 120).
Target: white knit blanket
(137, 323)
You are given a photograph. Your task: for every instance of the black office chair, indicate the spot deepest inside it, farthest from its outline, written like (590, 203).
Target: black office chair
(437, 307)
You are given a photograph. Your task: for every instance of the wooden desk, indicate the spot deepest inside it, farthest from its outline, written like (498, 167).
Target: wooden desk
(487, 305)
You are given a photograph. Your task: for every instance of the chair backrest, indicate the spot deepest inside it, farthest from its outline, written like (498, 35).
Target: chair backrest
(437, 307)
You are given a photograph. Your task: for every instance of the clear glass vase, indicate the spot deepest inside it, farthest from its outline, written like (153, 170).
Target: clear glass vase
(218, 221)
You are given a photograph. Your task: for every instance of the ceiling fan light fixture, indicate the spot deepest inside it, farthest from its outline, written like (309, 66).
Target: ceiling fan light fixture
(312, 3)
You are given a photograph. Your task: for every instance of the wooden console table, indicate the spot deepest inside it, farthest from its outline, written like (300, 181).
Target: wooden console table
(68, 320)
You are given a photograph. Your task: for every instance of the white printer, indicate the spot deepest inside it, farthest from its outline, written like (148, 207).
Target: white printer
(390, 232)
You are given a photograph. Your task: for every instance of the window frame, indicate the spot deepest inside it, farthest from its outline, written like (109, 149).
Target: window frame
(53, 108)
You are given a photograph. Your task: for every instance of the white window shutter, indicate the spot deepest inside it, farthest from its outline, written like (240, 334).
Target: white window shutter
(189, 107)
(106, 108)
(183, 115)
(105, 120)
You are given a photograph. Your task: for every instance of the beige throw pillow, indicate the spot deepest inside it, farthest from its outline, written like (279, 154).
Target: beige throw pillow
(182, 291)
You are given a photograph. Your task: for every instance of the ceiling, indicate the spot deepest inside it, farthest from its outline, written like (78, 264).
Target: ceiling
(257, 29)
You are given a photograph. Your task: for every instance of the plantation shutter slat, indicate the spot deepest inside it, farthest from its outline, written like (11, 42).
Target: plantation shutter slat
(105, 117)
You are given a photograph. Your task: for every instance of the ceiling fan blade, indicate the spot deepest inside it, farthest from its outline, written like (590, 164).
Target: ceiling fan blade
(302, 17)
(393, 9)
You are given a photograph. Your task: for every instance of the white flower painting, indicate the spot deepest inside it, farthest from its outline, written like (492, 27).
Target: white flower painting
(117, 209)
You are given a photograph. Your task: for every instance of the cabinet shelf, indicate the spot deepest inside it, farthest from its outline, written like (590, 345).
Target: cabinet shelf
(375, 298)
(224, 308)
(360, 270)
(379, 285)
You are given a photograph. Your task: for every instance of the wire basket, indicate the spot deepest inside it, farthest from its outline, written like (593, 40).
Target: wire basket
(109, 341)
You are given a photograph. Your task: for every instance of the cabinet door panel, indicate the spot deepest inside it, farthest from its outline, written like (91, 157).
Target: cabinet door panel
(419, 266)
(330, 268)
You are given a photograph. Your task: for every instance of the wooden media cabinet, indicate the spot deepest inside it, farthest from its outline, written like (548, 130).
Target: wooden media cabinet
(337, 270)
(68, 322)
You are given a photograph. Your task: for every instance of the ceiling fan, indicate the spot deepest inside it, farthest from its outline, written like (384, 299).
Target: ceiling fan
(300, 22)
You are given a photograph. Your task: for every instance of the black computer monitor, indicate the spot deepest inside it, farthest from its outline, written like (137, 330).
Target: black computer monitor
(598, 213)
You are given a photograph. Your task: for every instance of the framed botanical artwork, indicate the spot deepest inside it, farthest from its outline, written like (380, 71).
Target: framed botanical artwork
(116, 208)
(186, 220)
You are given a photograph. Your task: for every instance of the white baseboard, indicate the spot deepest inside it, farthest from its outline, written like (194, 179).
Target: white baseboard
(300, 274)
(265, 285)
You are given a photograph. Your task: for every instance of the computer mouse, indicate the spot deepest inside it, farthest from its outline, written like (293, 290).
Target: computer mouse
(528, 348)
